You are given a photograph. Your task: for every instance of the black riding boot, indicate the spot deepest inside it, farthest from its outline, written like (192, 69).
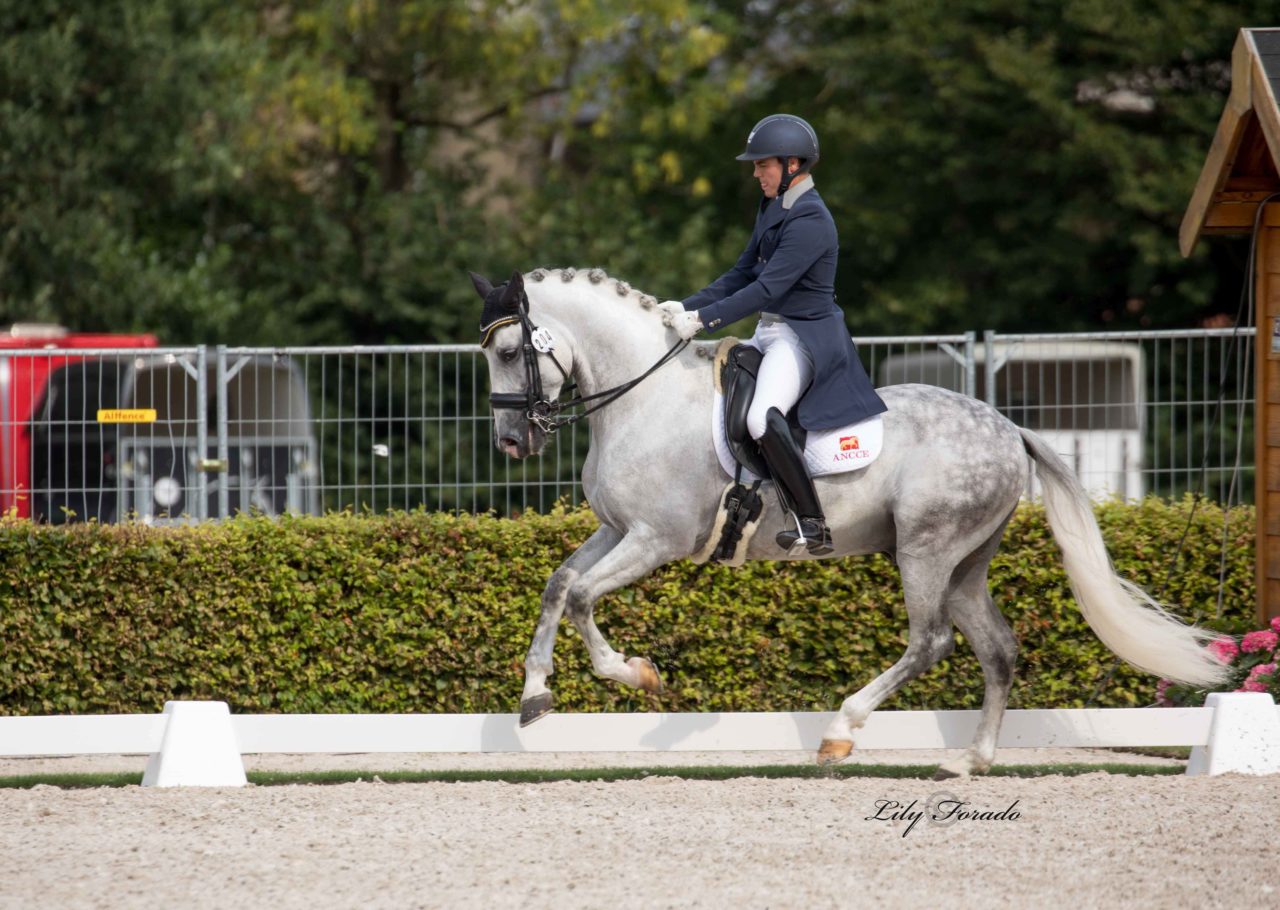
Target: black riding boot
(790, 473)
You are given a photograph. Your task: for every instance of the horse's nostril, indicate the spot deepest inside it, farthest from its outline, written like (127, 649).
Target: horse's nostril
(508, 442)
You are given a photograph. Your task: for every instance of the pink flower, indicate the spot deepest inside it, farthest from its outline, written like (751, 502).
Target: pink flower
(1224, 649)
(1162, 696)
(1265, 640)
(1262, 670)
(1275, 624)
(1252, 685)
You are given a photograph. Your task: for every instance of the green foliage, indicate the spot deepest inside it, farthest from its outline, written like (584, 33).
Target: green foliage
(320, 171)
(109, 163)
(428, 612)
(1012, 165)
(325, 170)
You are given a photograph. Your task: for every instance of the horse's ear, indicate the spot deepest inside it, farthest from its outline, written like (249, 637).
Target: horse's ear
(515, 291)
(482, 284)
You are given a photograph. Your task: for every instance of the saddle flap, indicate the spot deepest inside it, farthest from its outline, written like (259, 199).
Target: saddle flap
(737, 378)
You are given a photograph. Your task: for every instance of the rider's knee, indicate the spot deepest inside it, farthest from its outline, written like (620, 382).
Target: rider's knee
(759, 419)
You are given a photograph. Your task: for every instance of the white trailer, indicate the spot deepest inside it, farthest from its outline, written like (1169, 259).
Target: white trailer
(1086, 398)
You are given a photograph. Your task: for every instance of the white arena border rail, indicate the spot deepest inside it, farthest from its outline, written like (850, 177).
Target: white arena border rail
(201, 743)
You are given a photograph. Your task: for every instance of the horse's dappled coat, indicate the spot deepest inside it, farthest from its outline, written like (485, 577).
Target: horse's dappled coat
(936, 500)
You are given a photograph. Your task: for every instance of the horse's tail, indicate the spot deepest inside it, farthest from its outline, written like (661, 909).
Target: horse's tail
(1128, 621)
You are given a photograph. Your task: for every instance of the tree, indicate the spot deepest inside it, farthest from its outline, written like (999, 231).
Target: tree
(326, 170)
(1010, 164)
(466, 120)
(105, 163)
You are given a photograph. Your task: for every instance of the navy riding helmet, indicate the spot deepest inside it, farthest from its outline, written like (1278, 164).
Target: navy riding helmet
(783, 136)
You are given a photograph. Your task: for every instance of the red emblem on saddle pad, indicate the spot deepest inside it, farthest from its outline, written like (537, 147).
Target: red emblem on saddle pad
(848, 443)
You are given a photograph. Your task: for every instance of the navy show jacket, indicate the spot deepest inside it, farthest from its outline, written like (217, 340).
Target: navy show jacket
(789, 268)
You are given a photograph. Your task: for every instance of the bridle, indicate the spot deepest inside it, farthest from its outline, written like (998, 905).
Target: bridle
(538, 409)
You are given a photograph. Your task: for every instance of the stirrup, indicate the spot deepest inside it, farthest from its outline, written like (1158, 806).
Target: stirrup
(811, 533)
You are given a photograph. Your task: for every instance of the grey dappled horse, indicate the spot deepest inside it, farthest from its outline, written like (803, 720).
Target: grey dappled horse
(937, 500)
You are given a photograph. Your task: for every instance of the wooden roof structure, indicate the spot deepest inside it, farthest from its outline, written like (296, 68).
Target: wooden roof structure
(1243, 164)
(1241, 171)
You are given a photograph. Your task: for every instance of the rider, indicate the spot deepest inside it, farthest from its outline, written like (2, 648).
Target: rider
(787, 273)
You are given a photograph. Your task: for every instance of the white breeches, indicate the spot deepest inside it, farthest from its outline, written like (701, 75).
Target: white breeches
(786, 371)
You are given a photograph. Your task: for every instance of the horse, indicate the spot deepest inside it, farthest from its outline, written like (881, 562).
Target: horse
(936, 500)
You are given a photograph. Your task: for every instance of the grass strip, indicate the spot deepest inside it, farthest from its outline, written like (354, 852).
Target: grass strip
(1182, 752)
(548, 775)
(71, 781)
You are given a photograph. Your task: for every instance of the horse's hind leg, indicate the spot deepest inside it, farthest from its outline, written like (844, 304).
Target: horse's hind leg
(987, 632)
(996, 648)
(924, 584)
(536, 699)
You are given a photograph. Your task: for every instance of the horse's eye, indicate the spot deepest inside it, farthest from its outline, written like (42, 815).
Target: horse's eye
(506, 355)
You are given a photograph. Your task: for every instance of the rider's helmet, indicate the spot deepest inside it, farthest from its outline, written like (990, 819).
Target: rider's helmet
(783, 136)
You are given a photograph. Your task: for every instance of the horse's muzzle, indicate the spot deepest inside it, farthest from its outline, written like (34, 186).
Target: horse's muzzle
(521, 440)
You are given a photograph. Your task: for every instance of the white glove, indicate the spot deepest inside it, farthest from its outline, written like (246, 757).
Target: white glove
(687, 324)
(671, 307)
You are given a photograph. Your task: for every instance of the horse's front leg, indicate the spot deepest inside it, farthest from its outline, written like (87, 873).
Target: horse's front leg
(638, 554)
(536, 699)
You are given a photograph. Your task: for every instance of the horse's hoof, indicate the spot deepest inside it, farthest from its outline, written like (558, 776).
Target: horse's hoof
(834, 750)
(538, 706)
(945, 774)
(649, 680)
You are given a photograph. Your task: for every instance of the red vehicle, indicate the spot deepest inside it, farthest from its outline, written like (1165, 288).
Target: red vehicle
(28, 470)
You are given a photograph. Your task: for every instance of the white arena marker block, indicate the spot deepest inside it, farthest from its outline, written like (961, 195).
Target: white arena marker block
(1244, 737)
(199, 748)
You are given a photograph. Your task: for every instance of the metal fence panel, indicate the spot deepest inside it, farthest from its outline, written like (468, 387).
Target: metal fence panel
(1134, 413)
(310, 430)
(402, 427)
(103, 434)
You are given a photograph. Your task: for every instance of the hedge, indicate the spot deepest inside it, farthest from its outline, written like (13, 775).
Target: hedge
(429, 612)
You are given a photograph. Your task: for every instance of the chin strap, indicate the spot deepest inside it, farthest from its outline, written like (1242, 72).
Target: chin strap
(804, 168)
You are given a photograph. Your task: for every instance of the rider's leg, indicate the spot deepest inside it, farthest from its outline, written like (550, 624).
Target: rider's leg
(786, 461)
(784, 373)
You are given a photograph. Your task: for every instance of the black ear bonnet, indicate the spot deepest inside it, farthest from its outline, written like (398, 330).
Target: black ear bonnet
(502, 304)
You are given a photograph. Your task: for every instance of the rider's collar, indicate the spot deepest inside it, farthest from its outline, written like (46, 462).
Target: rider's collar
(795, 191)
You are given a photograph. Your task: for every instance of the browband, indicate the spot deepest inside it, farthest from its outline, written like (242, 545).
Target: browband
(486, 331)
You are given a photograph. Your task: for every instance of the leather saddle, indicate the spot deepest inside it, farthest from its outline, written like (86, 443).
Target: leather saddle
(737, 370)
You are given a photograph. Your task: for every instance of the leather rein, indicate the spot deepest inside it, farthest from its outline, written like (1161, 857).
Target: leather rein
(548, 415)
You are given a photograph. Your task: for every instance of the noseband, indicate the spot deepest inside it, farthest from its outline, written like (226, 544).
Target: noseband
(538, 409)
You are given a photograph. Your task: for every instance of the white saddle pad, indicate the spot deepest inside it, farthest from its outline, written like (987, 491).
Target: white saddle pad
(825, 452)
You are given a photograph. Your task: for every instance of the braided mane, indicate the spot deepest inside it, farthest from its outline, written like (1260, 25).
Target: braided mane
(595, 276)
(703, 349)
